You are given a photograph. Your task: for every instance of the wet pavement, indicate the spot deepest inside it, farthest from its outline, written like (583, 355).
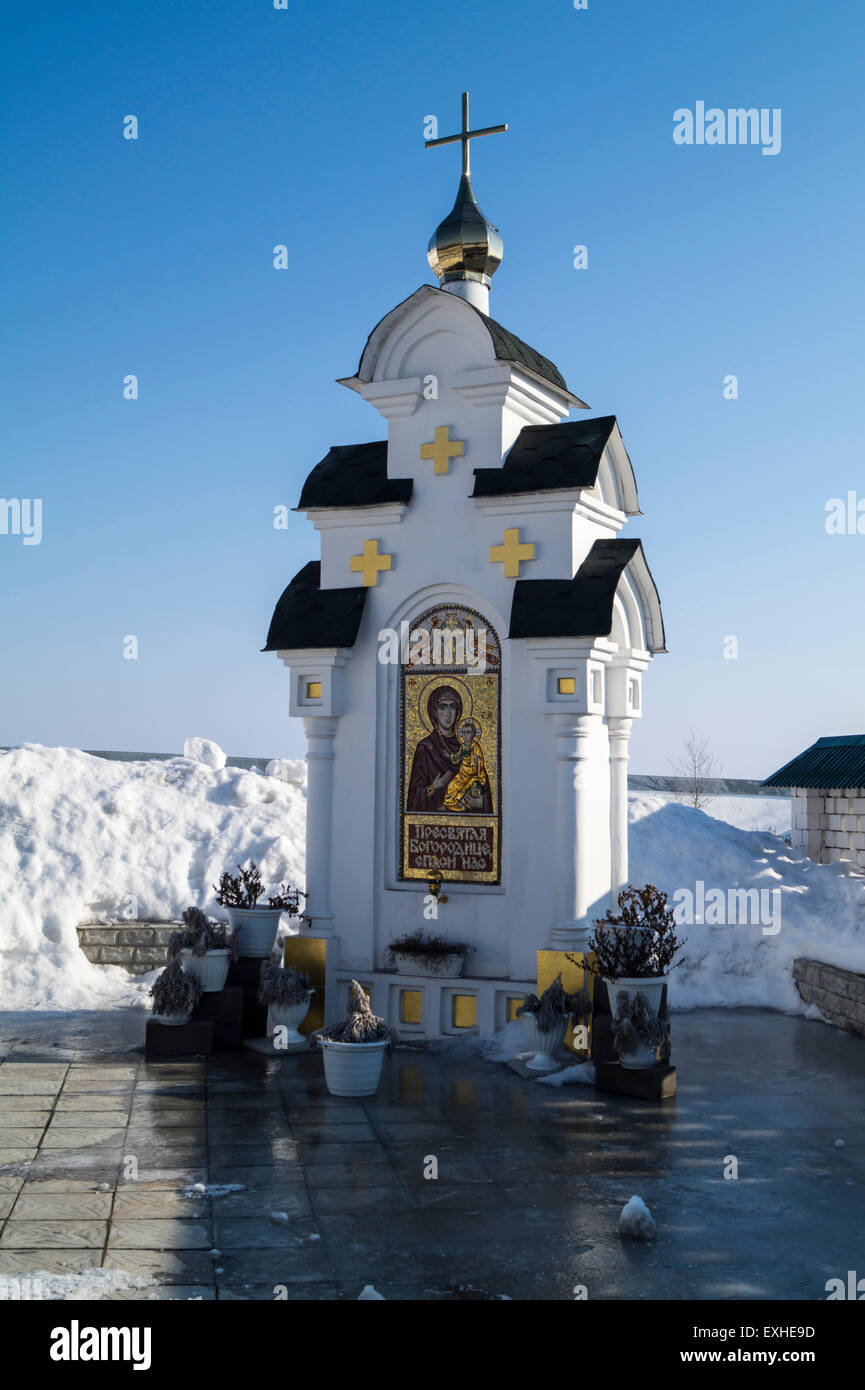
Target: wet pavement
(99, 1150)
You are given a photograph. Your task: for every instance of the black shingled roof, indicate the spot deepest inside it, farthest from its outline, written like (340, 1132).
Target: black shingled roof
(544, 457)
(578, 607)
(509, 348)
(309, 616)
(353, 475)
(830, 762)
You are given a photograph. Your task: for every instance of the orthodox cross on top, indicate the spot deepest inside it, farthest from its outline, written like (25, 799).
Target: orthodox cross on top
(466, 135)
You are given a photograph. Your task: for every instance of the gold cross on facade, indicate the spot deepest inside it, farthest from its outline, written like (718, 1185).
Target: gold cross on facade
(369, 563)
(512, 553)
(466, 135)
(443, 450)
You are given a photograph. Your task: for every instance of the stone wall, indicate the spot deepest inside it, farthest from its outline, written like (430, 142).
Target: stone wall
(137, 946)
(829, 825)
(839, 994)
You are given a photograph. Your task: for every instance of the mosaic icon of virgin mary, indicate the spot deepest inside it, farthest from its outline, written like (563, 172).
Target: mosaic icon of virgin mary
(441, 757)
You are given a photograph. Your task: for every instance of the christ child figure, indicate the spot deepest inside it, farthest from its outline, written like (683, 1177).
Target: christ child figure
(471, 775)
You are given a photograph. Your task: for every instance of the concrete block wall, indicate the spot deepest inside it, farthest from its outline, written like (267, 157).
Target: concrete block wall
(138, 946)
(839, 994)
(829, 825)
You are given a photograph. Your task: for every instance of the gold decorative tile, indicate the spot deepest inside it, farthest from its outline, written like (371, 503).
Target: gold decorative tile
(411, 1006)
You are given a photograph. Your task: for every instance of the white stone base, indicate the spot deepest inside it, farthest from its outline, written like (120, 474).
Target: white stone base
(440, 1001)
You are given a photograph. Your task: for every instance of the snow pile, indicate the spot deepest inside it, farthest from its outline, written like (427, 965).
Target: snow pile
(369, 1295)
(86, 1284)
(814, 909)
(636, 1221)
(84, 838)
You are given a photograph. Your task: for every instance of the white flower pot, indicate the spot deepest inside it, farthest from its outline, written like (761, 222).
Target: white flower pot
(171, 1020)
(256, 927)
(653, 989)
(543, 1043)
(448, 967)
(289, 1017)
(352, 1069)
(209, 970)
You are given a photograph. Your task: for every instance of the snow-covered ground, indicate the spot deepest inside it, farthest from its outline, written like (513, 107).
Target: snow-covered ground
(83, 836)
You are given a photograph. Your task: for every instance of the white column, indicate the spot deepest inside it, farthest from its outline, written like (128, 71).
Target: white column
(573, 817)
(320, 733)
(619, 732)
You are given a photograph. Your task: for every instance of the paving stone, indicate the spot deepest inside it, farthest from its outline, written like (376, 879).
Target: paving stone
(13, 1084)
(137, 1202)
(18, 1138)
(256, 1177)
(152, 1233)
(20, 1263)
(383, 1202)
(80, 1137)
(165, 1266)
(37, 1106)
(314, 1154)
(64, 1183)
(11, 1158)
(90, 1102)
(260, 1232)
(33, 1205)
(358, 1176)
(61, 1235)
(89, 1119)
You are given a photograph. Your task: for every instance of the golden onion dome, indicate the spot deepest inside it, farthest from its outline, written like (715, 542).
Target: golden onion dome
(465, 246)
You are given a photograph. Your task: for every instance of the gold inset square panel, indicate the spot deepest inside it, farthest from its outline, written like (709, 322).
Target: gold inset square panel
(309, 953)
(513, 1005)
(465, 1010)
(567, 685)
(313, 690)
(411, 1006)
(574, 977)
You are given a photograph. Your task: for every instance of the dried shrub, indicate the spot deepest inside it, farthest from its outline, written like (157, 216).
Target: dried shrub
(278, 986)
(636, 1024)
(287, 899)
(430, 951)
(199, 935)
(554, 1005)
(637, 942)
(175, 992)
(242, 889)
(360, 1024)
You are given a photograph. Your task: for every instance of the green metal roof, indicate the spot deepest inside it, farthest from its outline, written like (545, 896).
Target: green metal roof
(838, 761)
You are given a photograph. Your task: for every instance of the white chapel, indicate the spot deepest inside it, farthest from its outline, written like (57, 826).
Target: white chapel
(467, 657)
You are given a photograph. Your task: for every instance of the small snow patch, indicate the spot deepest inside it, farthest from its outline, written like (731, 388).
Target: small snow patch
(216, 1189)
(369, 1294)
(636, 1221)
(583, 1074)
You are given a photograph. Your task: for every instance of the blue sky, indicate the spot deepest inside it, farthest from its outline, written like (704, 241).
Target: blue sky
(304, 127)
